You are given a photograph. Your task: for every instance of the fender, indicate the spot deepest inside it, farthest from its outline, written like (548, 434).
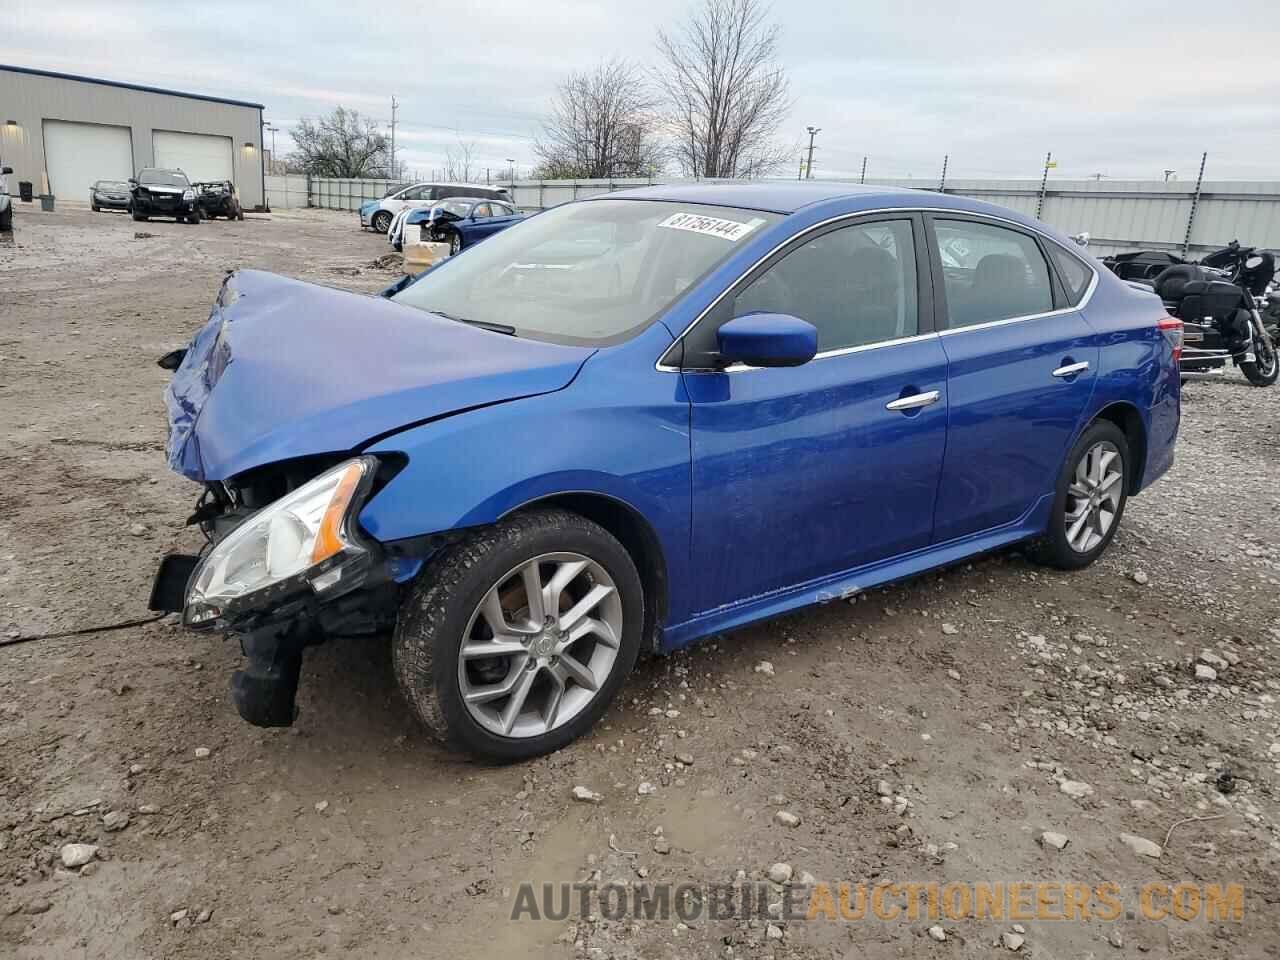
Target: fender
(623, 426)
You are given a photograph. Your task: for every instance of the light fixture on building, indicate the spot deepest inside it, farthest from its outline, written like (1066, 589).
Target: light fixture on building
(11, 123)
(248, 145)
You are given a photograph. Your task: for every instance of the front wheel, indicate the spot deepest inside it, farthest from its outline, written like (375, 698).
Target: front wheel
(6, 219)
(1263, 370)
(514, 642)
(455, 243)
(1090, 499)
(137, 216)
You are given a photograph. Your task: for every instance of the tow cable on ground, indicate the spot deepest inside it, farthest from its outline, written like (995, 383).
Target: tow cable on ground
(124, 625)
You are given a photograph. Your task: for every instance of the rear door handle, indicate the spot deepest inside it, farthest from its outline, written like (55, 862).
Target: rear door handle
(913, 401)
(1071, 369)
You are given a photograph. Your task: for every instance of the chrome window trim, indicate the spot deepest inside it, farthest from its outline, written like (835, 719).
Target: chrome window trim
(826, 354)
(906, 212)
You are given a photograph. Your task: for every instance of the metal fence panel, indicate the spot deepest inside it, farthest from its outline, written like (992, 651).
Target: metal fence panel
(1118, 214)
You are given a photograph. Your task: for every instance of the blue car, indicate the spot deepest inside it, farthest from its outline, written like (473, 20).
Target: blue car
(460, 222)
(645, 418)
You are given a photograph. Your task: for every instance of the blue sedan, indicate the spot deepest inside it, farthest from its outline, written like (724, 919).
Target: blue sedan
(459, 222)
(645, 418)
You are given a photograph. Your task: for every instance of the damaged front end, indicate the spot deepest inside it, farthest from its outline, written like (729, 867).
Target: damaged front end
(285, 567)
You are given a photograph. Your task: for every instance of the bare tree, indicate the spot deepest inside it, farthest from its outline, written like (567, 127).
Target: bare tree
(458, 163)
(602, 124)
(342, 144)
(724, 90)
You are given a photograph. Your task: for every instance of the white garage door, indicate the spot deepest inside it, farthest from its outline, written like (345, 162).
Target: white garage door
(77, 154)
(199, 156)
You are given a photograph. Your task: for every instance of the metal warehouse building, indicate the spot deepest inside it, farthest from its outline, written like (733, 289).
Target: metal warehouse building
(77, 130)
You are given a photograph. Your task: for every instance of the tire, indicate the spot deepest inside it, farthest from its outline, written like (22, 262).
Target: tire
(455, 243)
(444, 607)
(193, 217)
(137, 216)
(381, 221)
(240, 213)
(1262, 374)
(95, 208)
(1056, 548)
(6, 220)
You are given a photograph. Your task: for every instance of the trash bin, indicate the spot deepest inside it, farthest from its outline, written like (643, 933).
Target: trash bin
(46, 202)
(25, 191)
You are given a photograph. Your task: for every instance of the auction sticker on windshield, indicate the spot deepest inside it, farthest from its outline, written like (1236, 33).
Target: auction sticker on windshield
(730, 230)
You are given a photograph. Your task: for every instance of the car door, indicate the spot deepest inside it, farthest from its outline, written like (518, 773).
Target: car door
(1021, 365)
(801, 473)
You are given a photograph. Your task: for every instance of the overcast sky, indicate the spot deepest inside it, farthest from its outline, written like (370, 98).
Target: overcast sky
(1126, 89)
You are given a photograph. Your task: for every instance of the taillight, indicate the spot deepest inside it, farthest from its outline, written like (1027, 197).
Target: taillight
(1171, 327)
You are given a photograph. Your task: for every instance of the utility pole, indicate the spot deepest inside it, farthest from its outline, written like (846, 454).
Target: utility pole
(800, 175)
(942, 183)
(1044, 182)
(863, 178)
(271, 128)
(512, 171)
(808, 170)
(395, 105)
(1195, 202)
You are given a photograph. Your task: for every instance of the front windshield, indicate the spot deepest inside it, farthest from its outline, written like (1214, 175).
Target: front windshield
(112, 185)
(590, 272)
(163, 178)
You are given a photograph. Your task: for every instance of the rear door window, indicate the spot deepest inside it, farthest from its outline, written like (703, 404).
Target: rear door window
(990, 273)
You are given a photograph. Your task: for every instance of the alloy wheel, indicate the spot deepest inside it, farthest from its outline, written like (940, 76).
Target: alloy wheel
(540, 644)
(1093, 497)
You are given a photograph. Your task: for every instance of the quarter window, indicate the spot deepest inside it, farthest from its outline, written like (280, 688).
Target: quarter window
(856, 285)
(991, 273)
(1075, 275)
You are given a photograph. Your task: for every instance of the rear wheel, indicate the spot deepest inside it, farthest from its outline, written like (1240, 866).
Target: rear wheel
(1091, 494)
(382, 221)
(455, 243)
(513, 643)
(6, 219)
(136, 215)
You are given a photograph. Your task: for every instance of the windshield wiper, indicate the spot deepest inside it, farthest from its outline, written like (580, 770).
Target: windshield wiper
(482, 324)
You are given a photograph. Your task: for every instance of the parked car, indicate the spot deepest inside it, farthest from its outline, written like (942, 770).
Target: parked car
(109, 195)
(459, 223)
(6, 202)
(784, 399)
(218, 198)
(163, 193)
(378, 214)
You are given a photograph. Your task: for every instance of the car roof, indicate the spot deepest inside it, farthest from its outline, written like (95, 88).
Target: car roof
(469, 186)
(786, 198)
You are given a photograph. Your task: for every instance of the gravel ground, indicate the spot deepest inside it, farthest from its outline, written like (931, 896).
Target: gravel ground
(929, 732)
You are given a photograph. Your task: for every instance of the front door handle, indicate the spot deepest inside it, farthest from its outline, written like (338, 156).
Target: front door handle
(913, 401)
(1071, 369)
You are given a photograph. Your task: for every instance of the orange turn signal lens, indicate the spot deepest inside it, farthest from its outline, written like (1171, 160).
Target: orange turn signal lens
(329, 540)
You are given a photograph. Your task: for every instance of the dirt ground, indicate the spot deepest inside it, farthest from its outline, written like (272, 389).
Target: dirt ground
(974, 694)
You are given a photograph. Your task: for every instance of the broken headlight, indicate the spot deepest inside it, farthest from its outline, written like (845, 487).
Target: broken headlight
(306, 538)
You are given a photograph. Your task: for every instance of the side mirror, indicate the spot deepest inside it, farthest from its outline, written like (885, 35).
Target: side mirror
(132, 183)
(5, 171)
(767, 340)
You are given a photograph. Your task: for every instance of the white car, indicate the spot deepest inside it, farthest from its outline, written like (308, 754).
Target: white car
(378, 214)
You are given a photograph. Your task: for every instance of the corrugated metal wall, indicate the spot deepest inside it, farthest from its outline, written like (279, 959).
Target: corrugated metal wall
(1117, 214)
(30, 99)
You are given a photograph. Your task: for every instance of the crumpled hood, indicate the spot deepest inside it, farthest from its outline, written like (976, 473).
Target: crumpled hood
(285, 369)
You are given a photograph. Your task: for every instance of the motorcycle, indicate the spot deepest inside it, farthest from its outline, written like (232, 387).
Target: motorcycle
(1228, 304)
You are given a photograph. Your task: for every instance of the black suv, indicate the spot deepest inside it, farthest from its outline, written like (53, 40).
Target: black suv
(218, 198)
(163, 193)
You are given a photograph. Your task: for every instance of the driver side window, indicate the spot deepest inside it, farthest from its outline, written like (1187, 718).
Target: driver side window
(856, 285)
